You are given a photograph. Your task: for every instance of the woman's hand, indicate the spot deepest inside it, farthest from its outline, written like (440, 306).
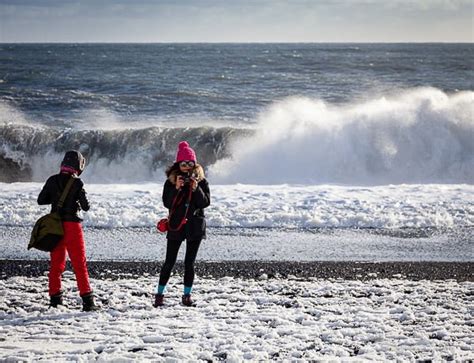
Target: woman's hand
(179, 182)
(193, 184)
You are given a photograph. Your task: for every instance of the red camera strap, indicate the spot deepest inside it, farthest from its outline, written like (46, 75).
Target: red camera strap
(174, 206)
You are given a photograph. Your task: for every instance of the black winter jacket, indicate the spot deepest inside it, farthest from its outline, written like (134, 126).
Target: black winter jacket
(195, 228)
(75, 200)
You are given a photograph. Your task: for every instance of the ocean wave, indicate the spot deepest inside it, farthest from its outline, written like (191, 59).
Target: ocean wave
(418, 136)
(30, 153)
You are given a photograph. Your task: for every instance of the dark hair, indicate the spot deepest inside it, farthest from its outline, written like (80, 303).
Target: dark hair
(171, 168)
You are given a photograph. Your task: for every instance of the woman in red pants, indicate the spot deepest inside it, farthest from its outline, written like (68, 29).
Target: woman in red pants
(73, 240)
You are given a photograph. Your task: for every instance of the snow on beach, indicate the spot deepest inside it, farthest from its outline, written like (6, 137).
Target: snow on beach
(236, 319)
(241, 319)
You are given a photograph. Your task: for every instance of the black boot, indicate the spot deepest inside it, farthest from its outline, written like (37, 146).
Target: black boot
(88, 303)
(56, 300)
(187, 301)
(158, 300)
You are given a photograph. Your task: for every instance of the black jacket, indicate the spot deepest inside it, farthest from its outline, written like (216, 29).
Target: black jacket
(195, 228)
(75, 200)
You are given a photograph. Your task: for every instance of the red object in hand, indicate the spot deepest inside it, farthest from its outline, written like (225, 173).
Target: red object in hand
(162, 225)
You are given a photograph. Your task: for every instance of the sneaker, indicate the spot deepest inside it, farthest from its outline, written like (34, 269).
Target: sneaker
(187, 301)
(158, 300)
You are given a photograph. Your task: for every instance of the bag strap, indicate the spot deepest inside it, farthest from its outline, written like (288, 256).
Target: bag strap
(174, 206)
(65, 192)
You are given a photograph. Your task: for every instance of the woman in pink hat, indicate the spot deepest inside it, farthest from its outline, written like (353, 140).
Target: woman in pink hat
(185, 194)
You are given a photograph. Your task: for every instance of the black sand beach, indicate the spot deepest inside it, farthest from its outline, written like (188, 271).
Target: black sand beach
(347, 270)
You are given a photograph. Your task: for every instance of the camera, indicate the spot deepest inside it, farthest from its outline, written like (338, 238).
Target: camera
(186, 178)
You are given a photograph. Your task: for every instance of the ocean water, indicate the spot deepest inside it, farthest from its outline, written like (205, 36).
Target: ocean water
(315, 145)
(255, 113)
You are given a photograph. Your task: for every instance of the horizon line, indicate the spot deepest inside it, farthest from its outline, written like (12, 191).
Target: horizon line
(239, 42)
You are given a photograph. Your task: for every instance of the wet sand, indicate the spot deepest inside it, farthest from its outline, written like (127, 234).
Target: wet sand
(347, 270)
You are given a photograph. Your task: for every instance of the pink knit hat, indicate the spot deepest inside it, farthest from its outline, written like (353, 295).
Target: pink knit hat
(185, 152)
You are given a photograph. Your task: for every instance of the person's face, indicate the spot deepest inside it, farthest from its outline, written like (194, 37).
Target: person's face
(186, 166)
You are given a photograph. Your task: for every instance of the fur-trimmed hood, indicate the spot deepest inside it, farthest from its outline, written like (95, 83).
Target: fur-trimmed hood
(197, 172)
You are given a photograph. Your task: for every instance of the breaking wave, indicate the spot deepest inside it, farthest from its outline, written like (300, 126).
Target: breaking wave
(30, 153)
(418, 136)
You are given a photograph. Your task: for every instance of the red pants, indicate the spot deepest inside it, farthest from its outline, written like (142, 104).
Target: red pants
(73, 243)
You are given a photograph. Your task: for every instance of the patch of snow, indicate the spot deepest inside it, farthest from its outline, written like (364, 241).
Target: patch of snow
(235, 320)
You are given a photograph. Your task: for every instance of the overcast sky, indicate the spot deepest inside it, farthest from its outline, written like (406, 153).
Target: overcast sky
(236, 21)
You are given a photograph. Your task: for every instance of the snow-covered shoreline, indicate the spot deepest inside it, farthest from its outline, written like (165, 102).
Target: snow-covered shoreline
(241, 319)
(344, 313)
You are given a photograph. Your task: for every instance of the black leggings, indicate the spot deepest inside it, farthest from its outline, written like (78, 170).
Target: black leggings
(172, 249)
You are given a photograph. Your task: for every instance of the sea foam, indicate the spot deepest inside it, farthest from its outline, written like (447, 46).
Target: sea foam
(418, 136)
(271, 206)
